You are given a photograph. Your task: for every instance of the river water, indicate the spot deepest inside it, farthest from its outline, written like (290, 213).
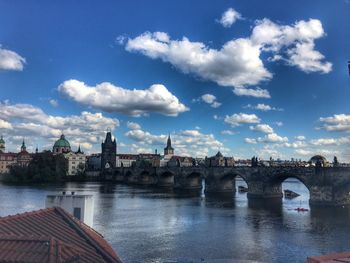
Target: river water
(159, 225)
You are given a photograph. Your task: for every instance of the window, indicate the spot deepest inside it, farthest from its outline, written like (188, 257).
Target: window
(77, 212)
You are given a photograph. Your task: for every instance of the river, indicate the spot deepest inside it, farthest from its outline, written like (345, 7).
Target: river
(153, 225)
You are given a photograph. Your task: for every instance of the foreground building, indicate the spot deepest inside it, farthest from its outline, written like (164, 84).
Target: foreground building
(51, 235)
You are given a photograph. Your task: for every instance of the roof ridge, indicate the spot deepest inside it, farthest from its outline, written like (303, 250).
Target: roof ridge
(25, 214)
(78, 227)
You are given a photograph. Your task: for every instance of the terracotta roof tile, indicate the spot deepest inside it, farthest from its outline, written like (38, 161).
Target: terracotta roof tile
(57, 224)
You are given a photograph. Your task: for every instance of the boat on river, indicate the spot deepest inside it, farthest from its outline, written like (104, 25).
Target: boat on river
(242, 189)
(290, 194)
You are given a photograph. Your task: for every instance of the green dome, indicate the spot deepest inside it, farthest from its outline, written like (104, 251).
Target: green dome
(2, 140)
(62, 142)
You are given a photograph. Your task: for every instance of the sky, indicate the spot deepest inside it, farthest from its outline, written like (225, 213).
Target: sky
(248, 78)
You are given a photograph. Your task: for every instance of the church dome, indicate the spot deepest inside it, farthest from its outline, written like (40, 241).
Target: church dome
(318, 158)
(62, 142)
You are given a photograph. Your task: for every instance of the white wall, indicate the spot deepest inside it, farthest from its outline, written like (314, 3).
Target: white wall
(68, 202)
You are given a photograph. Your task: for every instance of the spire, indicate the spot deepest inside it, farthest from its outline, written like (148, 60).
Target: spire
(79, 150)
(168, 144)
(36, 149)
(23, 147)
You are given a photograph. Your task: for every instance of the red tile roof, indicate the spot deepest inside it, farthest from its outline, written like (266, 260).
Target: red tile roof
(24, 236)
(337, 257)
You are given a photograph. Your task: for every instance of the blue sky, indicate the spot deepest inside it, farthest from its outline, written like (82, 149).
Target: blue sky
(266, 78)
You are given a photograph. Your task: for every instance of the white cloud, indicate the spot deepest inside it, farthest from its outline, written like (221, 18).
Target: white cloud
(250, 140)
(279, 123)
(272, 138)
(337, 123)
(53, 102)
(300, 138)
(241, 118)
(110, 98)
(35, 125)
(187, 142)
(209, 99)
(133, 125)
(237, 63)
(10, 60)
(262, 107)
(294, 44)
(229, 17)
(262, 128)
(228, 132)
(5, 125)
(257, 93)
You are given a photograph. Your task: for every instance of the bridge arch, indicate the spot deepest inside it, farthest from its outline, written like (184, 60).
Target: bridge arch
(224, 183)
(278, 183)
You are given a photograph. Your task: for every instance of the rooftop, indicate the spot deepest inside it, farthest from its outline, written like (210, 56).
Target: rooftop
(24, 237)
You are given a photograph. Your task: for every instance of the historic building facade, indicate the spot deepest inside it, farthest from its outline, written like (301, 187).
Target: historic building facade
(109, 152)
(61, 146)
(219, 160)
(23, 157)
(76, 162)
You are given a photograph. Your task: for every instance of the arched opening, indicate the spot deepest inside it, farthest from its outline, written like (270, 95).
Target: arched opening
(295, 193)
(241, 188)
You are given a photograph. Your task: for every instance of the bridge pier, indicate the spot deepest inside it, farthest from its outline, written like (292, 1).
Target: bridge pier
(147, 179)
(260, 189)
(328, 196)
(224, 185)
(166, 180)
(188, 183)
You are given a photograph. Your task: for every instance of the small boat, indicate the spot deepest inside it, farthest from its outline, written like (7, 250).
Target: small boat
(242, 189)
(301, 209)
(290, 194)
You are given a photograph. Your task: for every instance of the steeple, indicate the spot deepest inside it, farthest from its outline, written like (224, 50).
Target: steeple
(168, 150)
(168, 144)
(23, 147)
(36, 149)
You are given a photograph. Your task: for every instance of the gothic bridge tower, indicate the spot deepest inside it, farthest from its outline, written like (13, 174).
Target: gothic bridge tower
(109, 152)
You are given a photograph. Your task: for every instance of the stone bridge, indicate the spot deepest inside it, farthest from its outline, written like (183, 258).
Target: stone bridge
(326, 185)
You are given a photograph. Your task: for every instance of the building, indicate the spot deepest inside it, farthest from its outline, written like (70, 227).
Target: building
(126, 160)
(181, 161)
(23, 157)
(6, 161)
(76, 162)
(61, 146)
(2, 145)
(168, 150)
(219, 160)
(93, 162)
(109, 152)
(52, 235)
(80, 206)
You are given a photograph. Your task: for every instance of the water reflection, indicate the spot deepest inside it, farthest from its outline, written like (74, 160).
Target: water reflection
(146, 224)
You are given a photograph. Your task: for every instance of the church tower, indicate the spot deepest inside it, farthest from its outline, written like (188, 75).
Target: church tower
(2, 145)
(168, 150)
(109, 152)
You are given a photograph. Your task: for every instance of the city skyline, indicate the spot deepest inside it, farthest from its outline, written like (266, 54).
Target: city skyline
(247, 81)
